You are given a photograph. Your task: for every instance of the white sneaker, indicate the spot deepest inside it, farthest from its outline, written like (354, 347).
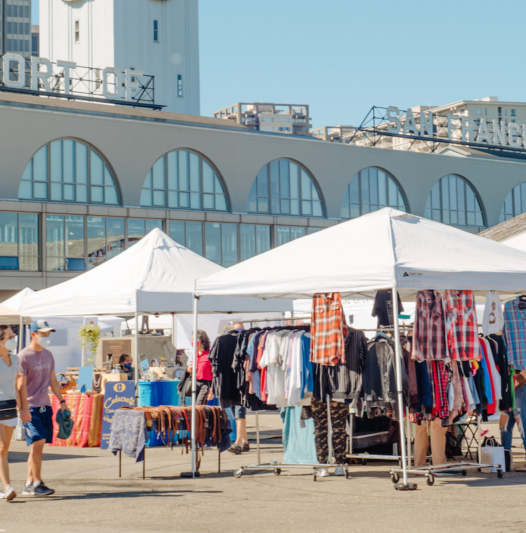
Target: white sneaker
(322, 472)
(9, 494)
(339, 471)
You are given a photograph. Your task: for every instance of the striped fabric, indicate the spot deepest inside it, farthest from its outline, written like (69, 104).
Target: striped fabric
(461, 326)
(328, 329)
(515, 334)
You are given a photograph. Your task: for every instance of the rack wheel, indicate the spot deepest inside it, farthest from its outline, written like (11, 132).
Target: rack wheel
(430, 480)
(363, 462)
(277, 471)
(395, 478)
(347, 474)
(315, 477)
(238, 473)
(464, 473)
(500, 474)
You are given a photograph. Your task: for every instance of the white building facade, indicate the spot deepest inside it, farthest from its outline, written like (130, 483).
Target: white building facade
(159, 38)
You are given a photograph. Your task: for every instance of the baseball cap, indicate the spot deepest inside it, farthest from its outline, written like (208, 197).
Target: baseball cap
(40, 325)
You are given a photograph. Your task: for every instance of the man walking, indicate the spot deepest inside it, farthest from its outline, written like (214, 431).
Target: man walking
(36, 375)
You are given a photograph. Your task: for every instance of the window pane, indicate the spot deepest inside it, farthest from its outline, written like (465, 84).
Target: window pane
(173, 199)
(263, 205)
(69, 192)
(306, 208)
(146, 197)
(355, 190)
(364, 179)
(248, 241)
(283, 235)
(220, 202)
(114, 237)
(74, 236)
(81, 153)
(172, 171)
(40, 190)
(284, 179)
(97, 194)
(56, 191)
(294, 207)
(218, 187)
(184, 183)
(96, 241)
(294, 181)
(110, 194)
(229, 242)
(152, 224)
(55, 240)
(208, 178)
(195, 178)
(262, 239)
(194, 237)
(213, 241)
(274, 206)
(305, 186)
(393, 193)
(274, 179)
(108, 179)
(195, 200)
(382, 188)
(177, 232)
(158, 175)
(97, 170)
(136, 229)
(8, 234)
(159, 198)
(317, 211)
(373, 186)
(296, 233)
(262, 180)
(208, 201)
(184, 199)
(29, 241)
(56, 161)
(69, 161)
(285, 207)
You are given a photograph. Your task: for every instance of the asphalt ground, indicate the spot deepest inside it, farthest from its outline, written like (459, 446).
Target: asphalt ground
(90, 497)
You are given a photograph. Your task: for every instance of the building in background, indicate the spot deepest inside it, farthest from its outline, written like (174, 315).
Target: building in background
(159, 38)
(16, 26)
(289, 119)
(35, 41)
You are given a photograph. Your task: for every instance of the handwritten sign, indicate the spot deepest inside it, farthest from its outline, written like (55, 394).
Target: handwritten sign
(118, 394)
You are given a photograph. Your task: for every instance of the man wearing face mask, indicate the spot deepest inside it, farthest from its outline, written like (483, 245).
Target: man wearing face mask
(37, 374)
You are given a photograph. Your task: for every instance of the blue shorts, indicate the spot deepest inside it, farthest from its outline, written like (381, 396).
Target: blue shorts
(238, 411)
(41, 425)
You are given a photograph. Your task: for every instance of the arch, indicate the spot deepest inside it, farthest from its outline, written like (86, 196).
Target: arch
(371, 189)
(453, 200)
(184, 179)
(285, 187)
(69, 170)
(514, 204)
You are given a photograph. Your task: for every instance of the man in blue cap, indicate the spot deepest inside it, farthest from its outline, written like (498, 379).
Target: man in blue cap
(36, 375)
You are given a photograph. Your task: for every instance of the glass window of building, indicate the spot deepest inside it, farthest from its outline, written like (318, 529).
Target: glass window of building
(453, 201)
(184, 180)
(285, 188)
(65, 243)
(515, 203)
(138, 228)
(370, 190)
(19, 241)
(286, 234)
(155, 31)
(254, 240)
(188, 234)
(77, 31)
(221, 243)
(68, 171)
(106, 239)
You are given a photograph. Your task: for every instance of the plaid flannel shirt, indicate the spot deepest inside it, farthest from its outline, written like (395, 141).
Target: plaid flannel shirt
(429, 335)
(461, 326)
(440, 381)
(328, 329)
(515, 334)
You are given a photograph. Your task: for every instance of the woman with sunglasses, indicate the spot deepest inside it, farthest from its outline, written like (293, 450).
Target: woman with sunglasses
(9, 364)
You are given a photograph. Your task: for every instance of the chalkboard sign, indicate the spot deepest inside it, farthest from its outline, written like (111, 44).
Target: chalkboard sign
(118, 394)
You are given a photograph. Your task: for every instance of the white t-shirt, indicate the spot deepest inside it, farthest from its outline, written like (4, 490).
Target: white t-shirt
(8, 378)
(493, 320)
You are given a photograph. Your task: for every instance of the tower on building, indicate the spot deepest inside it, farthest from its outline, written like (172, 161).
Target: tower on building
(16, 27)
(159, 38)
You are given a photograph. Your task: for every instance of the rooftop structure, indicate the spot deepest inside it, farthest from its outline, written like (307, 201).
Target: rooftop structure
(291, 119)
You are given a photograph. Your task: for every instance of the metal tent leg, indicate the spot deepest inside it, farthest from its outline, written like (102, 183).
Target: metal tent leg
(257, 437)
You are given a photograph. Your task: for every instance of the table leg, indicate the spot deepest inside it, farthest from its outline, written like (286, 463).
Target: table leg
(120, 463)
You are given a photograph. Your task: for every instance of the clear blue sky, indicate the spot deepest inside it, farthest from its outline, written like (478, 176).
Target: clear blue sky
(344, 56)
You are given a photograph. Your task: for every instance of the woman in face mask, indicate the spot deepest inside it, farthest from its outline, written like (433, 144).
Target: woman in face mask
(126, 363)
(9, 364)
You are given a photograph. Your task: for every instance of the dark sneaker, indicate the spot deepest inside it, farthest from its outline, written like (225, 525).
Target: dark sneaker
(28, 490)
(42, 490)
(246, 447)
(235, 448)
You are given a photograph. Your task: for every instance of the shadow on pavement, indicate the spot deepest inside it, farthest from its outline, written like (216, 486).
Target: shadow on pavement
(21, 457)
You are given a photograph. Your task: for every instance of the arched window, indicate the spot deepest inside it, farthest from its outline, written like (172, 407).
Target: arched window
(453, 201)
(68, 171)
(515, 203)
(370, 190)
(183, 180)
(285, 188)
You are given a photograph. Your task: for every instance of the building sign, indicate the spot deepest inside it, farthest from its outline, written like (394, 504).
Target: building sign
(478, 132)
(66, 79)
(118, 394)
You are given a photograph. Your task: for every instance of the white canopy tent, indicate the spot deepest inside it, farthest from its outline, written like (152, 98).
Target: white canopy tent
(385, 249)
(154, 276)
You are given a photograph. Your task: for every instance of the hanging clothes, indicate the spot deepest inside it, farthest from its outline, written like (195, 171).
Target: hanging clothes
(461, 326)
(383, 307)
(339, 412)
(429, 333)
(328, 329)
(515, 333)
(493, 320)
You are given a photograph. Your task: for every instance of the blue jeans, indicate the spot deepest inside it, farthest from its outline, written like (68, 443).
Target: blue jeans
(507, 431)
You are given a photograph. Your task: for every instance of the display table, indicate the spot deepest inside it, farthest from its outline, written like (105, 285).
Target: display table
(156, 393)
(86, 412)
